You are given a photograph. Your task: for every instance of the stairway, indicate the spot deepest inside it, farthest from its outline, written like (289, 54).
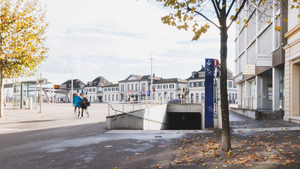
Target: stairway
(265, 115)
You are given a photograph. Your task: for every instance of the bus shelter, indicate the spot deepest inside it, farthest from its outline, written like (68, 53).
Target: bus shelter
(24, 95)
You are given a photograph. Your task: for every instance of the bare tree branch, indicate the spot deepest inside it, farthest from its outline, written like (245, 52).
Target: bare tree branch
(189, 9)
(217, 9)
(233, 1)
(238, 12)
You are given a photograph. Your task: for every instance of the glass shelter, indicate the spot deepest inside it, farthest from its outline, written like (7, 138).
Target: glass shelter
(24, 94)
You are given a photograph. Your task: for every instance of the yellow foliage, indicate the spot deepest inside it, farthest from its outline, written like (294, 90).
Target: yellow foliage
(277, 28)
(23, 47)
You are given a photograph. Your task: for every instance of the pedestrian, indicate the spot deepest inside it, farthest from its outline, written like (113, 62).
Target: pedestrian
(84, 104)
(77, 104)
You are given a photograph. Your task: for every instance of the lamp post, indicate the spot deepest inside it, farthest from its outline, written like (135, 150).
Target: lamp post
(151, 86)
(71, 93)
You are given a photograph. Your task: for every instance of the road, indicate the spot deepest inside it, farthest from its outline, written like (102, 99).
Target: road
(57, 139)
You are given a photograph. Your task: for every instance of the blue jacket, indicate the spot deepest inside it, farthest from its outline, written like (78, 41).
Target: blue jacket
(77, 100)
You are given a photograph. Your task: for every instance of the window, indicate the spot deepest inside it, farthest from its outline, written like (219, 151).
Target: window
(117, 97)
(109, 89)
(229, 97)
(164, 86)
(235, 96)
(158, 86)
(122, 88)
(192, 84)
(251, 54)
(136, 87)
(132, 89)
(105, 98)
(167, 86)
(128, 86)
(94, 90)
(117, 89)
(108, 97)
(264, 45)
(90, 90)
(230, 84)
(105, 89)
(200, 84)
(171, 96)
(195, 83)
(112, 97)
(143, 86)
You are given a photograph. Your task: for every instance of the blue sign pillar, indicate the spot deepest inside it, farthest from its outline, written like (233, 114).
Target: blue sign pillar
(209, 93)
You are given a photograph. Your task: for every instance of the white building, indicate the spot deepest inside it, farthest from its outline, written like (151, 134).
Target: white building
(292, 68)
(94, 89)
(259, 56)
(196, 87)
(168, 89)
(111, 93)
(136, 87)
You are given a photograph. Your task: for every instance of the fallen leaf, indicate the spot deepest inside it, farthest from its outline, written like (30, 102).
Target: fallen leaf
(129, 158)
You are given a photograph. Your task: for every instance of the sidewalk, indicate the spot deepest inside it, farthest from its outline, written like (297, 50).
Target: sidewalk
(59, 115)
(255, 144)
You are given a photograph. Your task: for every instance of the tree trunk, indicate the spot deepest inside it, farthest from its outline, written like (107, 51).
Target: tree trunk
(224, 99)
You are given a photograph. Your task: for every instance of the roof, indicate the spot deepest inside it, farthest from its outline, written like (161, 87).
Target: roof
(171, 80)
(75, 81)
(99, 81)
(133, 77)
(229, 74)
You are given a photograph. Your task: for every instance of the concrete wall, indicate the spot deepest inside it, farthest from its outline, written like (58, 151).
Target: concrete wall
(253, 114)
(183, 108)
(157, 113)
(125, 121)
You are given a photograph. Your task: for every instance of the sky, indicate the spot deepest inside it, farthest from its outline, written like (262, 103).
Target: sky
(116, 38)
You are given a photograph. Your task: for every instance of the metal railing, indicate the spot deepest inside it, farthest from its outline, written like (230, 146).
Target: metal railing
(139, 105)
(130, 106)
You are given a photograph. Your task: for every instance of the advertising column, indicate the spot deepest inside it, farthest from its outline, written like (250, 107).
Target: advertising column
(209, 93)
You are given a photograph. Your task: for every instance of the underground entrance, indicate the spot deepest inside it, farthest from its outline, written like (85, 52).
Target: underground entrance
(169, 116)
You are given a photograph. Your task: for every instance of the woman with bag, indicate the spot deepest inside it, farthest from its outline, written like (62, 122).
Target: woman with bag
(84, 104)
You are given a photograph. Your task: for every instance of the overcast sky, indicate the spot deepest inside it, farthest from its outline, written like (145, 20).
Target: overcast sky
(115, 38)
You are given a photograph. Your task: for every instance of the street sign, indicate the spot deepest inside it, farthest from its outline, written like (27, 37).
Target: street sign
(216, 62)
(209, 93)
(41, 81)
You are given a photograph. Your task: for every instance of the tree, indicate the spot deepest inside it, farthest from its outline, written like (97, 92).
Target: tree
(184, 17)
(22, 38)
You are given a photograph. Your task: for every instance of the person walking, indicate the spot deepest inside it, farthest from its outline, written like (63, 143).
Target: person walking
(84, 104)
(77, 104)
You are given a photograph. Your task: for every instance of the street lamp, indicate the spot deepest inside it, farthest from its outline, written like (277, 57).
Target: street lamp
(151, 86)
(72, 86)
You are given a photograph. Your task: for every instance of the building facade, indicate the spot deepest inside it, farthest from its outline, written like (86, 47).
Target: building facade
(292, 68)
(94, 89)
(168, 89)
(111, 93)
(260, 57)
(196, 86)
(65, 92)
(136, 87)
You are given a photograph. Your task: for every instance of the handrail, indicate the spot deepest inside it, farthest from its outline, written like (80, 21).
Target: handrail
(134, 115)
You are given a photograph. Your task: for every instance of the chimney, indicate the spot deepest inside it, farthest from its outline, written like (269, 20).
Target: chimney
(202, 66)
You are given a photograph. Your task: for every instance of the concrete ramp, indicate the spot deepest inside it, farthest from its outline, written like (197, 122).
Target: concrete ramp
(152, 118)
